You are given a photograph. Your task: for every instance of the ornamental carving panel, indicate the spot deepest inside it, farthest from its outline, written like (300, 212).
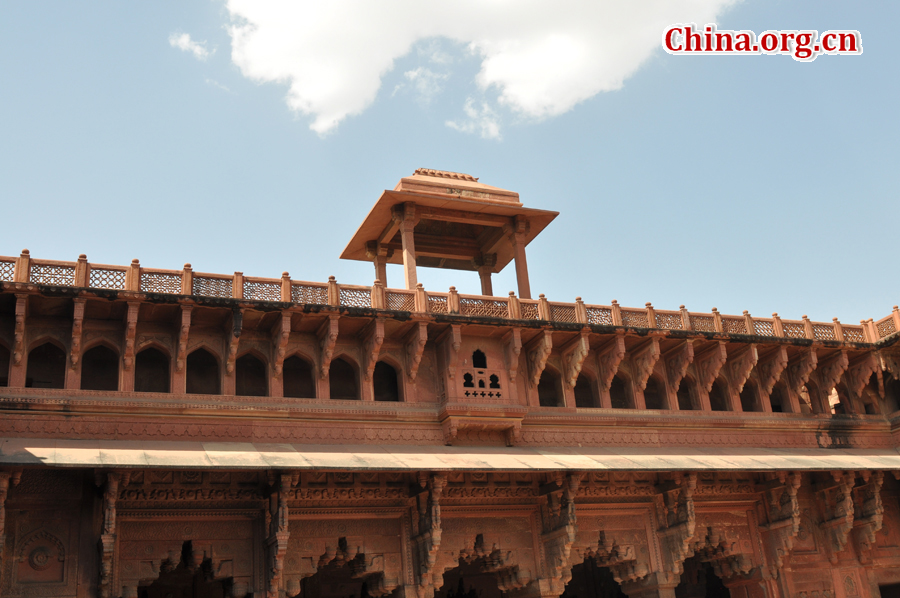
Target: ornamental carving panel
(618, 539)
(44, 557)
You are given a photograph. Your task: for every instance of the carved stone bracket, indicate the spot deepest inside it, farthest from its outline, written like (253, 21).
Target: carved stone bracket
(509, 427)
(622, 559)
(428, 539)
(830, 371)
(858, 374)
(559, 530)
(715, 546)
(415, 348)
(19, 333)
(839, 511)
(77, 327)
(281, 334)
(372, 337)
(740, 366)
(783, 519)
(130, 332)
(327, 334)
(277, 542)
(768, 370)
(643, 360)
(677, 361)
(237, 324)
(799, 369)
(183, 333)
(891, 363)
(451, 341)
(708, 364)
(609, 358)
(675, 504)
(513, 343)
(868, 513)
(538, 353)
(573, 356)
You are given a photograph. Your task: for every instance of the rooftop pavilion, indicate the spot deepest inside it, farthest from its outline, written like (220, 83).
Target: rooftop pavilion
(440, 219)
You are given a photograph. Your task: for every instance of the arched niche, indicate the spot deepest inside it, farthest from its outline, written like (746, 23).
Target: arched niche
(592, 580)
(749, 397)
(655, 393)
(778, 399)
(100, 369)
(585, 392)
(251, 376)
(687, 394)
(549, 388)
(620, 393)
(152, 371)
(718, 396)
(46, 366)
(385, 382)
(479, 360)
(202, 375)
(343, 380)
(891, 393)
(299, 378)
(4, 365)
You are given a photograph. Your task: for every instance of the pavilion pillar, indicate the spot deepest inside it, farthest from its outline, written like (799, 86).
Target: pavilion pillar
(517, 233)
(405, 217)
(379, 254)
(485, 264)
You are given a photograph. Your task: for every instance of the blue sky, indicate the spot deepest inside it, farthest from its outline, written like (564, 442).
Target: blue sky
(751, 182)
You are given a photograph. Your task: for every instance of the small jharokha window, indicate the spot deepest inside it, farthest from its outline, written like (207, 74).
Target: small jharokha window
(479, 361)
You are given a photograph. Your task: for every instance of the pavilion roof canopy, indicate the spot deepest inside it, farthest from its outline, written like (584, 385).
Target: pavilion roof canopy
(459, 219)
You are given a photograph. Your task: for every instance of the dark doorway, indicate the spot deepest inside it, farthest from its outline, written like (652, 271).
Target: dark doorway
(700, 581)
(342, 380)
(151, 371)
(749, 402)
(592, 581)
(620, 393)
(46, 367)
(655, 394)
(778, 398)
(335, 580)
(100, 369)
(251, 378)
(686, 394)
(584, 392)
(298, 378)
(189, 578)
(469, 580)
(549, 394)
(891, 591)
(4, 366)
(718, 397)
(202, 373)
(385, 383)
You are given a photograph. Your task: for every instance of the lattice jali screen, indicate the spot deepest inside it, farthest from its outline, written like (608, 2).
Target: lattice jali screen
(262, 291)
(764, 327)
(438, 304)
(487, 308)
(885, 327)
(308, 293)
(669, 321)
(57, 275)
(356, 297)
(734, 325)
(153, 282)
(207, 286)
(794, 329)
(562, 313)
(105, 278)
(400, 301)
(703, 323)
(530, 311)
(638, 319)
(854, 334)
(599, 315)
(7, 271)
(823, 332)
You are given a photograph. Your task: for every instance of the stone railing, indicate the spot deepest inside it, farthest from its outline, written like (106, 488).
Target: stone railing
(136, 278)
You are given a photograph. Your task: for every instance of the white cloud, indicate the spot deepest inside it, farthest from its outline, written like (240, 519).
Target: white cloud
(538, 59)
(215, 83)
(183, 42)
(426, 82)
(480, 119)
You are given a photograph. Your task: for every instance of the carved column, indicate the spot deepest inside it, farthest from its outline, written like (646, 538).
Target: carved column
(277, 541)
(379, 254)
(837, 498)
(868, 513)
(559, 529)
(675, 505)
(405, 217)
(127, 379)
(73, 372)
(281, 334)
(485, 264)
(517, 233)
(783, 525)
(18, 364)
(427, 539)
(179, 378)
(114, 483)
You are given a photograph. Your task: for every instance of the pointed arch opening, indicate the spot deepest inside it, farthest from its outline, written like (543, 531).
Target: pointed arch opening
(151, 371)
(100, 369)
(585, 392)
(778, 399)
(203, 373)
(299, 380)
(700, 579)
(686, 394)
(749, 397)
(479, 360)
(655, 393)
(620, 393)
(718, 396)
(550, 389)
(590, 580)
(470, 580)
(251, 376)
(193, 575)
(386, 382)
(46, 367)
(343, 380)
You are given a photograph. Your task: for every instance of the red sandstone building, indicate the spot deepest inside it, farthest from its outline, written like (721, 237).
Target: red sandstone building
(183, 434)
